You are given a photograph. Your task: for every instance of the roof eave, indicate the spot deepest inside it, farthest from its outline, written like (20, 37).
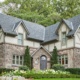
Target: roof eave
(53, 40)
(29, 38)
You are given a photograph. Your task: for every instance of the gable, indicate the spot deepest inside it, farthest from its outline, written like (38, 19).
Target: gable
(41, 50)
(66, 25)
(62, 27)
(20, 27)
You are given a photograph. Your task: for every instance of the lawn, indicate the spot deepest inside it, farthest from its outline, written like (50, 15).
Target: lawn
(60, 79)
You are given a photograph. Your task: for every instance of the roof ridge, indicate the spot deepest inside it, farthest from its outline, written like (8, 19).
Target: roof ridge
(22, 19)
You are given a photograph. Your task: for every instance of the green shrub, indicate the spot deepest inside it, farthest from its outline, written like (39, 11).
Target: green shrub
(39, 76)
(27, 57)
(25, 68)
(73, 70)
(2, 70)
(58, 67)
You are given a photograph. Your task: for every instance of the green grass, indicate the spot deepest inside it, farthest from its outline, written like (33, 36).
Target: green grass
(59, 79)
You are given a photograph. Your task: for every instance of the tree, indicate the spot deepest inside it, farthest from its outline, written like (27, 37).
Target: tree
(27, 58)
(54, 56)
(44, 12)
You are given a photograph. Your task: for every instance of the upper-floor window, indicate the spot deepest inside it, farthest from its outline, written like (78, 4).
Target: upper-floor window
(63, 38)
(20, 39)
(63, 59)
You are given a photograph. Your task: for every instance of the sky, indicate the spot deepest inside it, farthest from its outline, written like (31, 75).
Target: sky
(1, 0)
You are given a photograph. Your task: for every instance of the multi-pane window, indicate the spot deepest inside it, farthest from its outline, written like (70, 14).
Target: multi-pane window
(63, 38)
(20, 39)
(18, 60)
(62, 59)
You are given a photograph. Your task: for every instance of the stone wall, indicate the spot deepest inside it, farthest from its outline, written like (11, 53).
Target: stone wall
(8, 50)
(1, 55)
(70, 53)
(36, 57)
(12, 78)
(76, 58)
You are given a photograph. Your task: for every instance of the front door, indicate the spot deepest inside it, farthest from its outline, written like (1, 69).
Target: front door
(43, 62)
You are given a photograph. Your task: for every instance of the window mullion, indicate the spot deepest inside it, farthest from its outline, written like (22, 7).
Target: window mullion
(15, 59)
(61, 60)
(19, 60)
(64, 59)
(22, 59)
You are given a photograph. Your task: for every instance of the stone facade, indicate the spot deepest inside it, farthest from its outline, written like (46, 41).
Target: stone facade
(2, 55)
(37, 56)
(8, 50)
(73, 57)
(76, 59)
(69, 53)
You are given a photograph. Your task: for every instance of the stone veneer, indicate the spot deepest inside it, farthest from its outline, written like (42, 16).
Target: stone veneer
(2, 55)
(76, 58)
(37, 56)
(73, 57)
(7, 51)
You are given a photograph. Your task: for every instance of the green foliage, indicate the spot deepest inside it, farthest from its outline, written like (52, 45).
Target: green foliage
(41, 76)
(27, 58)
(73, 70)
(58, 67)
(25, 68)
(38, 74)
(2, 70)
(45, 12)
(54, 56)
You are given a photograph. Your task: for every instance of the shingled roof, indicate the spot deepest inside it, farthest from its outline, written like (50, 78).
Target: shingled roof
(50, 31)
(36, 31)
(8, 22)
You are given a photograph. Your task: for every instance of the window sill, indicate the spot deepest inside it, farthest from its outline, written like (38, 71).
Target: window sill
(16, 65)
(65, 65)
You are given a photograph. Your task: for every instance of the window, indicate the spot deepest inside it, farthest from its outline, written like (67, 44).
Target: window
(63, 59)
(20, 39)
(63, 38)
(18, 60)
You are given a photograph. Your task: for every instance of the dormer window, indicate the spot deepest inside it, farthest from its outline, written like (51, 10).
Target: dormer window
(20, 39)
(63, 38)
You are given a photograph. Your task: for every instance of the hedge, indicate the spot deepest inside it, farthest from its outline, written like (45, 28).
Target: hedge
(39, 76)
(73, 70)
(5, 70)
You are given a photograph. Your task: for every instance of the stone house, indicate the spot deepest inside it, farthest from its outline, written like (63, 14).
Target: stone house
(16, 34)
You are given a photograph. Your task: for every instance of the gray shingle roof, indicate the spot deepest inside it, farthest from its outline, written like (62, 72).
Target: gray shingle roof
(50, 32)
(7, 23)
(38, 32)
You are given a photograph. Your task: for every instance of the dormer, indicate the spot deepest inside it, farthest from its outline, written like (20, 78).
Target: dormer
(63, 29)
(22, 32)
(19, 25)
(64, 25)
